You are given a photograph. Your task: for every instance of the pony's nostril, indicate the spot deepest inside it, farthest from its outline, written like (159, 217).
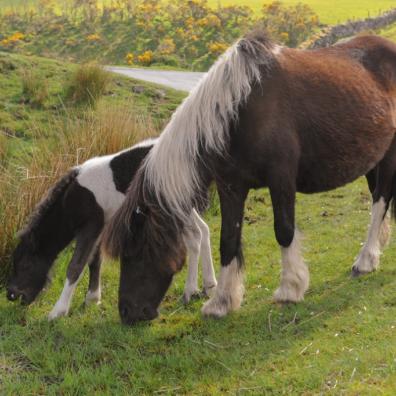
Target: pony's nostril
(12, 295)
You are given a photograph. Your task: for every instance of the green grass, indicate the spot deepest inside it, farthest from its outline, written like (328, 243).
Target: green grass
(20, 119)
(330, 12)
(340, 339)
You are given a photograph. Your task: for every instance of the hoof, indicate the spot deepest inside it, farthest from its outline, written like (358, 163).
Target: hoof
(283, 295)
(191, 295)
(366, 262)
(57, 313)
(215, 308)
(92, 298)
(209, 291)
(355, 272)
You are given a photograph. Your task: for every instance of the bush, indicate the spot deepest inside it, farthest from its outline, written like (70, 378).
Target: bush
(87, 84)
(290, 25)
(34, 88)
(22, 184)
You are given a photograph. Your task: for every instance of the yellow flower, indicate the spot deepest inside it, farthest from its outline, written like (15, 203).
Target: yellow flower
(217, 48)
(93, 37)
(146, 58)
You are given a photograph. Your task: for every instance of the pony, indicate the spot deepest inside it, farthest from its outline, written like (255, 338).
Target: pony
(264, 116)
(77, 207)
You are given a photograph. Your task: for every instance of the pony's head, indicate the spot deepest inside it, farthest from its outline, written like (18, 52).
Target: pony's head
(151, 249)
(47, 233)
(30, 271)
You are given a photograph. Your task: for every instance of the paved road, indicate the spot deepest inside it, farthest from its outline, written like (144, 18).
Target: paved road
(183, 81)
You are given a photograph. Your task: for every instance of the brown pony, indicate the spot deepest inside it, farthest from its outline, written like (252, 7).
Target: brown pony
(264, 116)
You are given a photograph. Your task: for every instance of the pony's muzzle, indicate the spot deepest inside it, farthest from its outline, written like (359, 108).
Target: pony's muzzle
(131, 316)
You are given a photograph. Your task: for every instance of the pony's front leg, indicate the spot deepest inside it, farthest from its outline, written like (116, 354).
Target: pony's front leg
(192, 240)
(295, 275)
(94, 292)
(85, 246)
(229, 291)
(208, 272)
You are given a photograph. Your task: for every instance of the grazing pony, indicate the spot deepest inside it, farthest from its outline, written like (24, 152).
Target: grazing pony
(79, 206)
(263, 116)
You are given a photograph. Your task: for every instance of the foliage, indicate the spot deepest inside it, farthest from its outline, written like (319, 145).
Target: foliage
(289, 25)
(87, 84)
(188, 33)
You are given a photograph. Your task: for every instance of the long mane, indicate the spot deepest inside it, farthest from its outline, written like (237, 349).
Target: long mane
(46, 204)
(170, 176)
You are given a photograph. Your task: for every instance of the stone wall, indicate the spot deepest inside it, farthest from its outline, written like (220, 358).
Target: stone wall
(335, 33)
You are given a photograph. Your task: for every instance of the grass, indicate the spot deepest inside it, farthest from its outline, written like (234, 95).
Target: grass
(330, 12)
(341, 339)
(20, 119)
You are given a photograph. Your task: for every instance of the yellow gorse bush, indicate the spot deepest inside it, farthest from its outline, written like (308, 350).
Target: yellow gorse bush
(13, 39)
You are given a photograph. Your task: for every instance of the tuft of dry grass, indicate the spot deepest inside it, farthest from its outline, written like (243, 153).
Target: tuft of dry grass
(34, 88)
(24, 182)
(87, 84)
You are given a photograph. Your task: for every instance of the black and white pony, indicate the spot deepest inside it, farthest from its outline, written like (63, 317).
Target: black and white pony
(264, 116)
(78, 207)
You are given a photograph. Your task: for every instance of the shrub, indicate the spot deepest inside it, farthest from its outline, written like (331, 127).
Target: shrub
(290, 25)
(34, 88)
(87, 84)
(23, 183)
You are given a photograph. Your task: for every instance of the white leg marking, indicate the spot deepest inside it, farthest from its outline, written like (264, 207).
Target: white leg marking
(368, 259)
(385, 232)
(62, 306)
(192, 239)
(93, 296)
(208, 272)
(295, 274)
(229, 292)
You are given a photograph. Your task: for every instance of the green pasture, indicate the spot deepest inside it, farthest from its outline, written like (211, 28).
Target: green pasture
(329, 11)
(340, 340)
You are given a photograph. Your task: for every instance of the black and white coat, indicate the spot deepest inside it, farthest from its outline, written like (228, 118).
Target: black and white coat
(89, 197)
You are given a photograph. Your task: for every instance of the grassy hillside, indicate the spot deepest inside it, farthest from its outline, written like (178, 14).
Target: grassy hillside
(19, 119)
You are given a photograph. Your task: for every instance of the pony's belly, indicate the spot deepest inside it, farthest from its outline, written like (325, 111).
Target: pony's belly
(326, 173)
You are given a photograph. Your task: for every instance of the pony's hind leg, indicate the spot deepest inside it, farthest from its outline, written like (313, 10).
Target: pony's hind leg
(295, 275)
(229, 291)
(85, 246)
(94, 292)
(378, 232)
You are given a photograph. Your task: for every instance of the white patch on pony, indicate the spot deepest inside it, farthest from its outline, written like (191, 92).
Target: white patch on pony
(93, 296)
(385, 231)
(62, 306)
(171, 168)
(229, 292)
(369, 256)
(295, 274)
(96, 175)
